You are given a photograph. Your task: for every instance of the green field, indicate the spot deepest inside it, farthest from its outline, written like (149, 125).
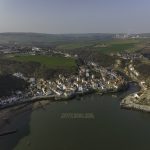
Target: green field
(48, 61)
(74, 45)
(107, 46)
(117, 46)
(104, 43)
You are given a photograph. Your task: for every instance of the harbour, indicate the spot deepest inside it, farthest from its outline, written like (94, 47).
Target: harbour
(45, 128)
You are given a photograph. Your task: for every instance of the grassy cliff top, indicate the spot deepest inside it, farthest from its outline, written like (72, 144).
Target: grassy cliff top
(48, 61)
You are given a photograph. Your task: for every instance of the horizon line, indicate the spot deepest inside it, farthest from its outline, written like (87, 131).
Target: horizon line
(71, 33)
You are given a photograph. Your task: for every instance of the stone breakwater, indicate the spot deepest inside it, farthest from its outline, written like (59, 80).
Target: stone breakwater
(137, 101)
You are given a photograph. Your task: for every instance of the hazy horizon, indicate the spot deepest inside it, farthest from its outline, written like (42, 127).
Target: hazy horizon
(20, 32)
(75, 17)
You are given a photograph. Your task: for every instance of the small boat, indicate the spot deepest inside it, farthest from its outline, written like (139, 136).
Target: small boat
(114, 96)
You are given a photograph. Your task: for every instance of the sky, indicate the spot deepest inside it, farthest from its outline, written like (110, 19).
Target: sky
(75, 16)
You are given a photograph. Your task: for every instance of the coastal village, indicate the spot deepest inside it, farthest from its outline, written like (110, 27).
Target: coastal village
(90, 78)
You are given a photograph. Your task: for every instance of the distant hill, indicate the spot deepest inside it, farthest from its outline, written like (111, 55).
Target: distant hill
(145, 35)
(50, 39)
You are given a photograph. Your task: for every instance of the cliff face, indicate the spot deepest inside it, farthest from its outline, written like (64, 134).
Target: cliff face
(135, 70)
(144, 70)
(140, 73)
